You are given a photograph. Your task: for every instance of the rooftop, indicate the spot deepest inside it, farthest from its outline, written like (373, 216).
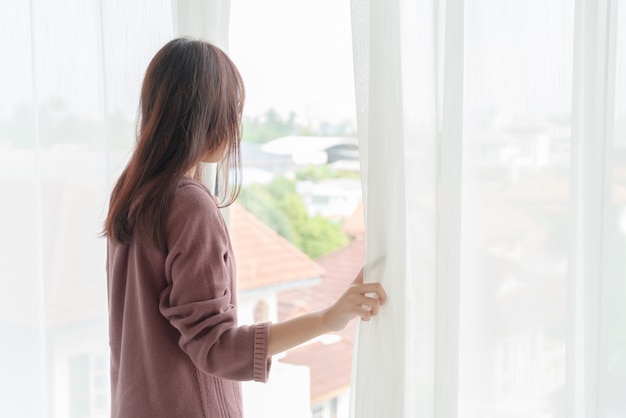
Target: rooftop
(330, 372)
(263, 257)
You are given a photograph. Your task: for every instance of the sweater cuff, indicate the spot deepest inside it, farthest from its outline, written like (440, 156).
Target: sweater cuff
(261, 345)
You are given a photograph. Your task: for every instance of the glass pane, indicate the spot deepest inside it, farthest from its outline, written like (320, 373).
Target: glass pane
(301, 179)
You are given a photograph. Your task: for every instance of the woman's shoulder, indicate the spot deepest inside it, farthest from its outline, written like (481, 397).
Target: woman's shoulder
(193, 193)
(195, 217)
(189, 189)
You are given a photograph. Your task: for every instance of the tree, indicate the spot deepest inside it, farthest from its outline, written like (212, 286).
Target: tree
(321, 236)
(271, 125)
(260, 202)
(268, 127)
(280, 207)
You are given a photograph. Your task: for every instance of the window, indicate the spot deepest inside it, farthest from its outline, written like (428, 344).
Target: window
(88, 385)
(301, 178)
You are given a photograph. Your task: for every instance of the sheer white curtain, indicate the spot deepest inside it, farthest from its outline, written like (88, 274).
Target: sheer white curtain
(493, 157)
(69, 80)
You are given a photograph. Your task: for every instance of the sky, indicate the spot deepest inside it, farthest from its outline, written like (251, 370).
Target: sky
(295, 56)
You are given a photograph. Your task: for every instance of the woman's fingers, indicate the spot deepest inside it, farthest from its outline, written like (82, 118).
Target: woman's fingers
(364, 288)
(374, 288)
(365, 314)
(360, 299)
(359, 278)
(370, 303)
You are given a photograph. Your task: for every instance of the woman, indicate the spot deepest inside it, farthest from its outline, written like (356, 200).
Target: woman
(176, 348)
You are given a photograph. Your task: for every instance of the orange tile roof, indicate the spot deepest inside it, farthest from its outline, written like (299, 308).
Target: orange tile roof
(331, 364)
(341, 268)
(263, 257)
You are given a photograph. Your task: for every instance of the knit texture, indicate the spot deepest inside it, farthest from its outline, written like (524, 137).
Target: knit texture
(176, 348)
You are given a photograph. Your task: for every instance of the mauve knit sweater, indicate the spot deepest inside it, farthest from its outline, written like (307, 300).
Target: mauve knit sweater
(176, 348)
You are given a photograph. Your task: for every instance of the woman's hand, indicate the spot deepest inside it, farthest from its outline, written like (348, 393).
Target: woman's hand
(360, 299)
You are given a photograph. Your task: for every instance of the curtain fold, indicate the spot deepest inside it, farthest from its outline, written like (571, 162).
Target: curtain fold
(70, 88)
(386, 253)
(591, 183)
(70, 81)
(493, 159)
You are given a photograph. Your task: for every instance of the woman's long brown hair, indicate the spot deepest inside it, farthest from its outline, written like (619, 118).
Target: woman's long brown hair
(191, 103)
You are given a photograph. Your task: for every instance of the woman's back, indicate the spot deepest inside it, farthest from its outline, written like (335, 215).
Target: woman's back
(184, 297)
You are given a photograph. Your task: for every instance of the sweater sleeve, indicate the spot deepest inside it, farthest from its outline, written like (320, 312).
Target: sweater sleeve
(198, 301)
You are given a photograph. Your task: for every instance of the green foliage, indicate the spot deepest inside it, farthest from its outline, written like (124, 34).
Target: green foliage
(271, 125)
(279, 206)
(259, 201)
(281, 187)
(340, 129)
(322, 172)
(316, 172)
(320, 236)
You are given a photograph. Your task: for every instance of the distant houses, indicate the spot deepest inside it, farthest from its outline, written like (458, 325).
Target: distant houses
(276, 281)
(523, 266)
(333, 198)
